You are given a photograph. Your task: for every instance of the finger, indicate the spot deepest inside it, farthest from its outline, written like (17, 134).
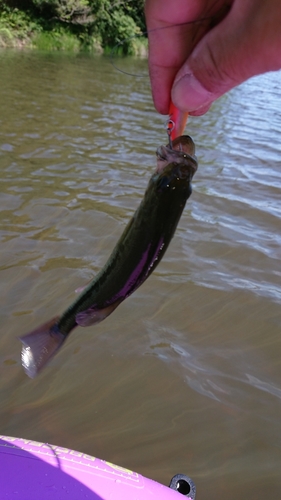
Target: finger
(244, 44)
(201, 111)
(166, 55)
(172, 36)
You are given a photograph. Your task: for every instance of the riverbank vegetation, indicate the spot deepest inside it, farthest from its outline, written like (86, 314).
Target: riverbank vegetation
(74, 25)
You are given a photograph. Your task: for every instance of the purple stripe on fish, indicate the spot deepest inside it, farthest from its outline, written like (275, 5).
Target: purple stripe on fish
(94, 315)
(137, 277)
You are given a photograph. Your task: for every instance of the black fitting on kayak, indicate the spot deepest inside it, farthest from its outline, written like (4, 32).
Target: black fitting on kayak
(184, 485)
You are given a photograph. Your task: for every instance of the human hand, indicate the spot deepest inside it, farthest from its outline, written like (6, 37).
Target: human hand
(194, 63)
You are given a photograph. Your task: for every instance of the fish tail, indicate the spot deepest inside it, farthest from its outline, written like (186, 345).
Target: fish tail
(39, 346)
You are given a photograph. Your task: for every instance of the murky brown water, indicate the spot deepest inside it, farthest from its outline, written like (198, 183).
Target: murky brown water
(185, 376)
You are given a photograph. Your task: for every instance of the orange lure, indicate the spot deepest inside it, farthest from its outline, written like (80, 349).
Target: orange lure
(179, 119)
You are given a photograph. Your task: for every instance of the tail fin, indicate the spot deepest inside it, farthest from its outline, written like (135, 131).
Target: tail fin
(39, 346)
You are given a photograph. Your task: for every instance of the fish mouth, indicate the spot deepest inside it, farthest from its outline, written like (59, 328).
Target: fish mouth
(182, 152)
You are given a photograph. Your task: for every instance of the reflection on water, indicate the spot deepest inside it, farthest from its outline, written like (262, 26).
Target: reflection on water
(203, 376)
(185, 376)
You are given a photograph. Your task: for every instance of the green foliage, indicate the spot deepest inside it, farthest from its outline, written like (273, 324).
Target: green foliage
(118, 23)
(16, 27)
(115, 27)
(56, 40)
(78, 23)
(76, 11)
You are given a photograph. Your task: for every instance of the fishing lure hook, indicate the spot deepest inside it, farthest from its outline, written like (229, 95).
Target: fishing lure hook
(170, 125)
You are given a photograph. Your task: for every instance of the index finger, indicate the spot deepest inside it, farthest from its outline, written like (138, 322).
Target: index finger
(172, 36)
(174, 29)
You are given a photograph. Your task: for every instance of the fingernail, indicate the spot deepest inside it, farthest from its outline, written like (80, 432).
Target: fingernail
(188, 93)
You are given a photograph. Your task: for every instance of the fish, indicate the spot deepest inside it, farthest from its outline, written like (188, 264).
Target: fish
(136, 254)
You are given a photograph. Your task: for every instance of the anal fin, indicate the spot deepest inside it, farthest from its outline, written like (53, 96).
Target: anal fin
(94, 315)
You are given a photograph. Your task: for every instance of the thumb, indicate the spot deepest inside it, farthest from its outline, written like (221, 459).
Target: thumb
(235, 50)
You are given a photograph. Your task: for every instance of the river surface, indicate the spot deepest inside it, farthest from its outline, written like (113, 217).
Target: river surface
(185, 376)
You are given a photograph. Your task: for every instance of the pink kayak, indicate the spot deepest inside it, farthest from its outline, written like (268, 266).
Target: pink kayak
(30, 470)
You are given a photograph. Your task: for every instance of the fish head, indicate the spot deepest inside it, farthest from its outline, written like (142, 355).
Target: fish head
(179, 161)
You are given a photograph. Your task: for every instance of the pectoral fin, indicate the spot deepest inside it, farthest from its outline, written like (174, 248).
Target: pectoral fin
(94, 315)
